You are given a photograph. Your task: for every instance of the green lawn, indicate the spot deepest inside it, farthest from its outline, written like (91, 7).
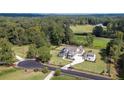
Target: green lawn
(98, 41)
(67, 77)
(55, 60)
(82, 28)
(20, 50)
(8, 73)
(96, 67)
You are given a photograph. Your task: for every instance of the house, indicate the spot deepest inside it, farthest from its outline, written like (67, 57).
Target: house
(70, 51)
(90, 56)
(100, 25)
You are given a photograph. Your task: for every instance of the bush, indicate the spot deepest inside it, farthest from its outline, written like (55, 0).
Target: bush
(57, 72)
(45, 70)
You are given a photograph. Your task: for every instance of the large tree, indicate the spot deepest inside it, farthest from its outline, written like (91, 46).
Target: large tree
(89, 40)
(6, 53)
(32, 52)
(97, 31)
(44, 54)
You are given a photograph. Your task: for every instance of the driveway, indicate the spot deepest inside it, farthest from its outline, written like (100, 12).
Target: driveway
(77, 60)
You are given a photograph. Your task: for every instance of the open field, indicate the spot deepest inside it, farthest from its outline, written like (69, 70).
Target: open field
(67, 77)
(55, 60)
(20, 50)
(98, 41)
(82, 28)
(96, 67)
(8, 73)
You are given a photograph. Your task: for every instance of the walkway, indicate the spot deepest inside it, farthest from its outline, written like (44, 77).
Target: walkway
(50, 75)
(19, 60)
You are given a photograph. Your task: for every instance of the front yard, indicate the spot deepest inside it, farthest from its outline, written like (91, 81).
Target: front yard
(96, 67)
(10, 73)
(55, 60)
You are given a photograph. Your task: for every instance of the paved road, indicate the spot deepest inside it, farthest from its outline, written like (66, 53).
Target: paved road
(81, 74)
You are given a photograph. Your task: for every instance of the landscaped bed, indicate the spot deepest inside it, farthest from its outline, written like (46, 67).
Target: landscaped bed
(67, 77)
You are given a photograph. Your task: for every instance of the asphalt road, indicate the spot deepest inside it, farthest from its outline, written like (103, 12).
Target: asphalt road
(81, 74)
(32, 64)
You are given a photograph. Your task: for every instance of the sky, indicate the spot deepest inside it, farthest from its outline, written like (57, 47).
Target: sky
(61, 6)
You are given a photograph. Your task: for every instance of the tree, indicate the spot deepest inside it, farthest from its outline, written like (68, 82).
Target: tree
(57, 35)
(97, 31)
(44, 54)
(57, 72)
(113, 49)
(45, 70)
(89, 40)
(120, 35)
(68, 34)
(32, 52)
(6, 53)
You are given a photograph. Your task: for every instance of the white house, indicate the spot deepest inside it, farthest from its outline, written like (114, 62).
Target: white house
(70, 52)
(100, 25)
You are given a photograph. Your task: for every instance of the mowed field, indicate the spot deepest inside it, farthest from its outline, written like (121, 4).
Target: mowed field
(82, 28)
(10, 73)
(97, 43)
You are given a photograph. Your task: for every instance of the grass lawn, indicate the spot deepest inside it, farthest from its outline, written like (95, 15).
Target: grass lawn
(98, 41)
(96, 67)
(67, 77)
(17, 74)
(55, 60)
(82, 28)
(20, 50)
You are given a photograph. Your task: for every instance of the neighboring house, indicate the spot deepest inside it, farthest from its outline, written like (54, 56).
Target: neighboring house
(100, 25)
(90, 56)
(3, 63)
(70, 51)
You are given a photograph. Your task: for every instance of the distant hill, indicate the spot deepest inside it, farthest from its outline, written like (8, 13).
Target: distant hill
(55, 14)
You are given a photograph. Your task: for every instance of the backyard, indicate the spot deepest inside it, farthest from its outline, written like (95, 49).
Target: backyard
(97, 43)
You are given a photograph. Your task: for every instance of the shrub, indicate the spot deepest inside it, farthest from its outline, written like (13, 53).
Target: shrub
(57, 72)
(45, 70)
